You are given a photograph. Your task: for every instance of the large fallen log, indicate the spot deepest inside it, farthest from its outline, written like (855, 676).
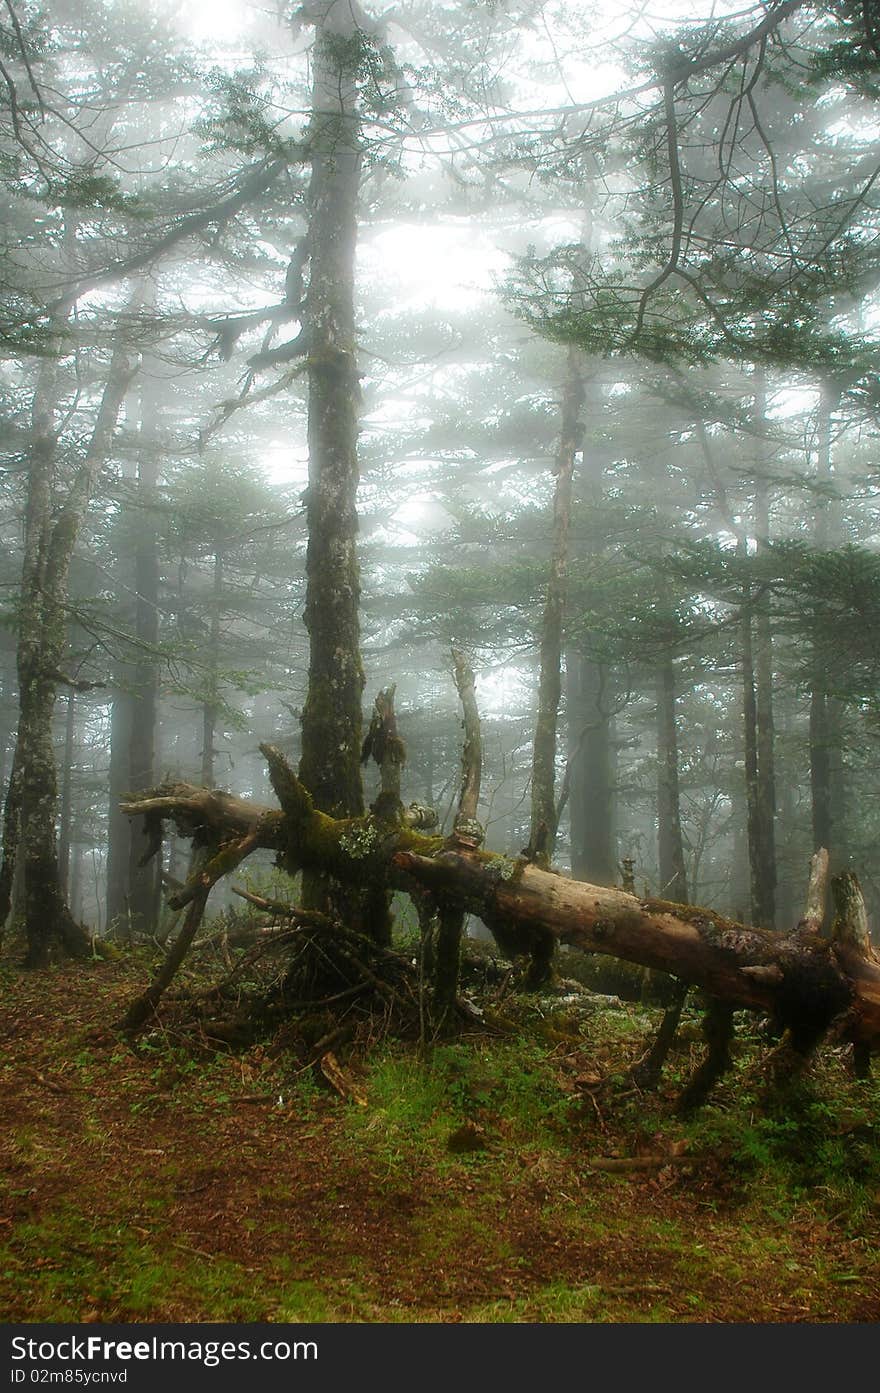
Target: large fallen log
(806, 982)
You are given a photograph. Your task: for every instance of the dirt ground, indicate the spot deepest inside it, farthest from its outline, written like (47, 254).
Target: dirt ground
(151, 1185)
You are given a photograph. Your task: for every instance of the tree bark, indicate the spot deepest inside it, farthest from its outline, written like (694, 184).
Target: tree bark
(66, 813)
(331, 720)
(763, 679)
(119, 832)
(144, 885)
(759, 811)
(805, 981)
(824, 727)
(670, 846)
(544, 816)
(211, 704)
(591, 771)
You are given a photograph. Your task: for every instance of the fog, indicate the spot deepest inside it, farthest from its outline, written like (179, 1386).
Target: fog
(613, 299)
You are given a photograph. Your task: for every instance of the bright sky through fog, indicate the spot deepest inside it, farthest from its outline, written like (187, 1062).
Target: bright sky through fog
(443, 264)
(211, 19)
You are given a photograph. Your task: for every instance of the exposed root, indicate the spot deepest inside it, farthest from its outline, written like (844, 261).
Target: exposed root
(718, 1031)
(648, 1070)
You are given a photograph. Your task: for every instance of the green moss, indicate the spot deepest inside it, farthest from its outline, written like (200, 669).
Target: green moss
(502, 868)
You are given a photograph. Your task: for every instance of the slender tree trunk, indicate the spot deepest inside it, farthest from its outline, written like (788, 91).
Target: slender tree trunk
(10, 868)
(211, 707)
(793, 853)
(119, 833)
(75, 892)
(133, 709)
(64, 827)
(7, 733)
(144, 883)
(670, 858)
(820, 769)
(544, 812)
(763, 678)
(826, 764)
(740, 874)
(762, 860)
(331, 720)
(592, 771)
(670, 846)
(757, 703)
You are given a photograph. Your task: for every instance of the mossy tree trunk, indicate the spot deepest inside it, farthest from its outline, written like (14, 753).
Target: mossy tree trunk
(807, 982)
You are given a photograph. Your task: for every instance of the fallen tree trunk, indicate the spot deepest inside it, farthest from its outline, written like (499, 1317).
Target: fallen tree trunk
(802, 979)
(806, 982)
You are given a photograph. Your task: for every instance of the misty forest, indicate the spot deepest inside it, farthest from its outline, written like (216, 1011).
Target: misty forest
(440, 660)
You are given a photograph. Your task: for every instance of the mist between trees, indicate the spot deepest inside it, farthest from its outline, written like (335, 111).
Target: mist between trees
(541, 332)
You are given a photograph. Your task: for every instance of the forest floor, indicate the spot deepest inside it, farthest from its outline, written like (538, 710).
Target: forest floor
(165, 1184)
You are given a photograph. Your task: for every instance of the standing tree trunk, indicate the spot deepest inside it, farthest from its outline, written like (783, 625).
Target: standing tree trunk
(670, 859)
(50, 537)
(118, 826)
(759, 810)
(66, 815)
(826, 774)
(763, 679)
(544, 812)
(670, 847)
(331, 720)
(757, 701)
(144, 881)
(211, 704)
(591, 771)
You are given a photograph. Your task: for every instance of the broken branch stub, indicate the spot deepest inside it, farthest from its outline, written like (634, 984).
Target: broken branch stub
(851, 923)
(817, 890)
(467, 830)
(383, 744)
